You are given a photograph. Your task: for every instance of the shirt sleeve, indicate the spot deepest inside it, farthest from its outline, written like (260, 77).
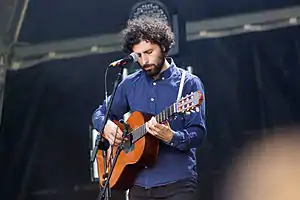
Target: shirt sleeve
(194, 130)
(118, 109)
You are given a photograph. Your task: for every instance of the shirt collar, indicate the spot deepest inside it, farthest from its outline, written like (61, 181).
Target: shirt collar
(168, 72)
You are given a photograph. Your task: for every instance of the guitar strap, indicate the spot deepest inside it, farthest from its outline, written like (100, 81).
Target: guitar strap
(181, 84)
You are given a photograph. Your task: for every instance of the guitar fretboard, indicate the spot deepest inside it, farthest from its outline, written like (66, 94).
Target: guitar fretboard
(164, 115)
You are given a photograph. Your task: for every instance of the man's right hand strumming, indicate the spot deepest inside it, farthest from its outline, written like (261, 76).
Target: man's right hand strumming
(112, 133)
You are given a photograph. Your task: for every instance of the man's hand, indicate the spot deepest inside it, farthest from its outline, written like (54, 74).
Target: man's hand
(112, 133)
(161, 131)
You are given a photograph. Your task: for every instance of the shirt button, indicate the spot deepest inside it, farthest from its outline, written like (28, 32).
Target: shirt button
(163, 78)
(152, 99)
(172, 143)
(154, 83)
(146, 167)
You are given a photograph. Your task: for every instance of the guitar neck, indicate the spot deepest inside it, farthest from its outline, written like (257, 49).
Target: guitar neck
(165, 114)
(185, 104)
(161, 117)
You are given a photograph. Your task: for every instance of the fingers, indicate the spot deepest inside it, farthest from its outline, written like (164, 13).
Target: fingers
(153, 127)
(114, 136)
(160, 131)
(161, 127)
(113, 140)
(149, 125)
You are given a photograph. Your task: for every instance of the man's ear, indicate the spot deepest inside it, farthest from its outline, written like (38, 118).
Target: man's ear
(163, 50)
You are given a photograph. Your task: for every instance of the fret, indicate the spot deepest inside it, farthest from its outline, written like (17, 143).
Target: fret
(134, 136)
(157, 118)
(166, 115)
(138, 133)
(143, 130)
(174, 108)
(171, 110)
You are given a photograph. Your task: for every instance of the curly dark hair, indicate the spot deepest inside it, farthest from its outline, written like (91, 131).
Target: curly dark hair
(148, 28)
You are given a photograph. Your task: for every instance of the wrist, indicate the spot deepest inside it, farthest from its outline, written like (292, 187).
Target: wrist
(176, 137)
(170, 137)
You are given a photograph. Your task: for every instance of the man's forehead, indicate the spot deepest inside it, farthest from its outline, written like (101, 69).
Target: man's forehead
(143, 46)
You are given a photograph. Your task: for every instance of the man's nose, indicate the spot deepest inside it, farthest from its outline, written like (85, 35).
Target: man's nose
(145, 59)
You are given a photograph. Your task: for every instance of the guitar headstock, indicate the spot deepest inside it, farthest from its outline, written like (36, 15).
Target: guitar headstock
(189, 102)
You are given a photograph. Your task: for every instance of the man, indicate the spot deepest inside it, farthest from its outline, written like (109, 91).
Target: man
(151, 90)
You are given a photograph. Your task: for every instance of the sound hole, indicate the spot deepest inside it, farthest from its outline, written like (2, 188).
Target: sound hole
(128, 147)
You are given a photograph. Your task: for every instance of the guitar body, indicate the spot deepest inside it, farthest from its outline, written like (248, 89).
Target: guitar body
(142, 153)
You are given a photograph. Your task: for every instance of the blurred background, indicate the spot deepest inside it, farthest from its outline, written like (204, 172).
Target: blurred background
(53, 57)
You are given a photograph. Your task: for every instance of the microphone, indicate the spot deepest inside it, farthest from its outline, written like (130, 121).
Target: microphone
(130, 58)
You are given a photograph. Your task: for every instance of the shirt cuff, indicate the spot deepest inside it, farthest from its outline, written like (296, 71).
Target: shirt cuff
(176, 139)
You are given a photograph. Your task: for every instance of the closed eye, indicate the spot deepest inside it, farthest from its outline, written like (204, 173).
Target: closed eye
(148, 52)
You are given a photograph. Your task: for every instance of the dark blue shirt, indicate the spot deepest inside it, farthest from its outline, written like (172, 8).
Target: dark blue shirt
(138, 92)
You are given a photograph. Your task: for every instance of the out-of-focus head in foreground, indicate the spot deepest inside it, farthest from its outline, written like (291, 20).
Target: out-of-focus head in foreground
(267, 169)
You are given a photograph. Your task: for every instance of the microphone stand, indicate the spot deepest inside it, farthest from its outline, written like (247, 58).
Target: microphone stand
(118, 151)
(102, 144)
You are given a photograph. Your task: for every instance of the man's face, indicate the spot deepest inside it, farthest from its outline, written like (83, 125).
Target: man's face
(150, 57)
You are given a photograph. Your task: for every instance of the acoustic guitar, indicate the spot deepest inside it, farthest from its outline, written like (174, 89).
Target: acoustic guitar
(144, 147)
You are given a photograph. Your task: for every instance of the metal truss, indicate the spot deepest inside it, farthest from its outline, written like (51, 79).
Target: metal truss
(31, 55)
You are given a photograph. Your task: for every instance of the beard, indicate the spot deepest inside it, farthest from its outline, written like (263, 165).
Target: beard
(152, 69)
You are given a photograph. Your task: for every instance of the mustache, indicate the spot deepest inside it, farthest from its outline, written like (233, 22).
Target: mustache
(148, 65)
